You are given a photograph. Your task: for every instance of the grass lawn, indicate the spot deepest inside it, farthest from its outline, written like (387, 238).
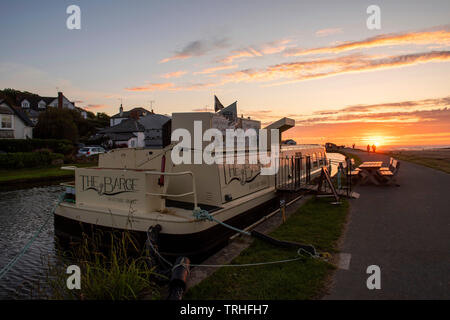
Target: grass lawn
(357, 159)
(437, 159)
(318, 223)
(25, 174)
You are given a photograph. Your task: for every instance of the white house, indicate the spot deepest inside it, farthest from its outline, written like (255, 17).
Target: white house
(157, 130)
(134, 113)
(14, 123)
(129, 133)
(32, 104)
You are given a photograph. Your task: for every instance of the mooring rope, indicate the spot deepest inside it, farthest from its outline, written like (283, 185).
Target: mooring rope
(299, 253)
(205, 215)
(13, 261)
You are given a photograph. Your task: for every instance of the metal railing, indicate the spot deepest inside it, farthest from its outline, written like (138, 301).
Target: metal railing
(165, 195)
(296, 171)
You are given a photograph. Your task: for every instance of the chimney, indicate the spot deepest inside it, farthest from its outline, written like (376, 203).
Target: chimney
(60, 100)
(134, 114)
(121, 110)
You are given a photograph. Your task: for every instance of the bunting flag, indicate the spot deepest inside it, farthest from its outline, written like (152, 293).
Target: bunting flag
(217, 105)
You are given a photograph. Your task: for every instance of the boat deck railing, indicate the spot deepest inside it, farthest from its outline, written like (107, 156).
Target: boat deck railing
(295, 172)
(165, 194)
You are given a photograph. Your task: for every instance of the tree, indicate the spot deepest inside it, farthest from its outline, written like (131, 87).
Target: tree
(103, 119)
(56, 124)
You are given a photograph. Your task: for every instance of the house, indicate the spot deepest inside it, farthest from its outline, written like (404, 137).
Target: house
(33, 104)
(157, 130)
(150, 131)
(128, 133)
(14, 123)
(134, 113)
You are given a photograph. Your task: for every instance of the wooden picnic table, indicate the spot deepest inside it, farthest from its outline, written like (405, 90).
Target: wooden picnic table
(369, 172)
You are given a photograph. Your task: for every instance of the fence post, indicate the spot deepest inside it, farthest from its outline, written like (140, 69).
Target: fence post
(283, 209)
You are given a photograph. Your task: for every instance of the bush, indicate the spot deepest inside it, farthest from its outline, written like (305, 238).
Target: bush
(19, 160)
(28, 145)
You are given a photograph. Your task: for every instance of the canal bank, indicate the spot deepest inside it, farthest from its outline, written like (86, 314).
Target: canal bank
(15, 179)
(28, 208)
(317, 222)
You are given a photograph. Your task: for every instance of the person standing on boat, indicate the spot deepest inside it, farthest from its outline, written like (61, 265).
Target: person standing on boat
(368, 148)
(374, 147)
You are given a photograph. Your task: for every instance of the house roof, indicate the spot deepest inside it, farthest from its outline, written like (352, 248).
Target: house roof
(19, 113)
(153, 121)
(34, 99)
(128, 114)
(128, 125)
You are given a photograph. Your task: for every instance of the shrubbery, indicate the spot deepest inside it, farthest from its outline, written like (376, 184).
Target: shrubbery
(28, 145)
(42, 158)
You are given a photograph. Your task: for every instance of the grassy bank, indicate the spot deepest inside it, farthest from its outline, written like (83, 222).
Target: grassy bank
(437, 159)
(112, 267)
(10, 177)
(318, 223)
(357, 159)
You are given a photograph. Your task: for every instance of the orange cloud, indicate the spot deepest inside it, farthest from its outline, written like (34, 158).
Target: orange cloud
(416, 38)
(95, 106)
(328, 32)
(169, 86)
(152, 87)
(175, 74)
(406, 122)
(214, 69)
(257, 51)
(320, 68)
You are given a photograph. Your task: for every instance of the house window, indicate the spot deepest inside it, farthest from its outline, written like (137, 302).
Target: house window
(6, 121)
(25, 104)
(41, 105)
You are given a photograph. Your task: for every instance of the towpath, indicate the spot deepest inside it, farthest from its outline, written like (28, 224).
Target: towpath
(404, 230)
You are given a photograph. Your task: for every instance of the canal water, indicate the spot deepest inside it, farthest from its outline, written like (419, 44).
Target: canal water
(22, 213)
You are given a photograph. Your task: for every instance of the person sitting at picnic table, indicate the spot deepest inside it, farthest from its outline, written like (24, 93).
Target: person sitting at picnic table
(368, 148)
(374, 147)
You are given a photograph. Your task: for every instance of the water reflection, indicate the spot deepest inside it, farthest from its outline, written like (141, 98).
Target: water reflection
(22, 213)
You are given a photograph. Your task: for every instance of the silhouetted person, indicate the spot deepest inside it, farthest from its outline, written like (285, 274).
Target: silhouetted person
(368, 148)
(353, 146)
(374, 147)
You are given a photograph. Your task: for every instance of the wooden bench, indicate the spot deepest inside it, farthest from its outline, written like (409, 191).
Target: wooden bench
(353, 172)
(388, 174)
(389, 166)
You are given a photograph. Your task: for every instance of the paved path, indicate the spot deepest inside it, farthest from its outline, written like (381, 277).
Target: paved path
(404, 230)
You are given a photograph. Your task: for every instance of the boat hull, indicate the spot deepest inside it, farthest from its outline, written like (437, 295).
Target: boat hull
(195, 245)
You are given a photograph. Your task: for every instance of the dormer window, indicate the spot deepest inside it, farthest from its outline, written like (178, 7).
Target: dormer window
(25, 104)
(41, 105)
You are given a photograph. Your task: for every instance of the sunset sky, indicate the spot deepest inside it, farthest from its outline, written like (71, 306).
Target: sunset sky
(314, 61)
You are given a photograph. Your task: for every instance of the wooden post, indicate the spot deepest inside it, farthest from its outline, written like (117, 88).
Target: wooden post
(283, 209)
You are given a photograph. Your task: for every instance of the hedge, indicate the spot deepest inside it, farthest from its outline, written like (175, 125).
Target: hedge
(19, 160)
(28, 145)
